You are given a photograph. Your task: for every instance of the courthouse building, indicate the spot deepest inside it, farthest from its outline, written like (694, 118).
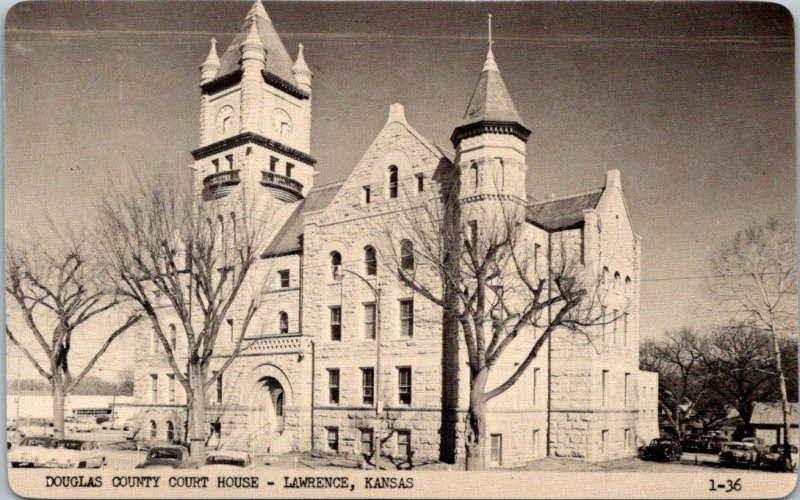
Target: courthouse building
(310, 381)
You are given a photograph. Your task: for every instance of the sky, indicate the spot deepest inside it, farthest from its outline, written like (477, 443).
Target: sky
(693, 103)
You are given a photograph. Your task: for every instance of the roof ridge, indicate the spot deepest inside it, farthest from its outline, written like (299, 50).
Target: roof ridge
(326, 186)
(567, 196)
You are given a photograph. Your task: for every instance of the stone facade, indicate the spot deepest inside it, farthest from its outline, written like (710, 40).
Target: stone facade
(311, 378)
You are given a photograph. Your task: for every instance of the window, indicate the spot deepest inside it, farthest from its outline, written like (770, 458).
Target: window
(153, 429)
(474, 176)
(173, 336)
(535, 444)
(284, 278)
(216, 429)
(625, 394)
(604, 387)
(289, 168)
(604, 441)
(497, 319)
(366, 195)
(420, 183)
(230, 328)
(627, 437)
(154, 388)
(617, 281)
(625, 329)
(404, 385)
(170, 431)
(333, 386)
(219, 387)
(369, 321)
(368, 385)
(604, 278)
(614, 319)
(156, 342)
(336, 265)
(404, 444)
(502, 183)
(537, 248)
(283, 323)
(229, 159)
(333, 438)
(366, 441)
(496, 456)
(171, 386)
(603, 323)
(407, 318)
(370, 261)
(535, 384)
(472, 233)
(392, 182)
(627, 284)
(336, 323)
(273, 164)
(216, 165)
(406, 255)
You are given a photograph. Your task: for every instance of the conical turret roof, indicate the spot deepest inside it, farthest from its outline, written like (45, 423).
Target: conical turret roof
(278, 62)
(490, 100)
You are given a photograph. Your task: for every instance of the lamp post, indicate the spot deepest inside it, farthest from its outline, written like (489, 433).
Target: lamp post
(376, 396)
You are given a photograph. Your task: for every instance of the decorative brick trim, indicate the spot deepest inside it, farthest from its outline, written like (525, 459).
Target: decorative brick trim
(231, 79)
(281, 84)
(251, 138)
(489, 127)
(222, 83)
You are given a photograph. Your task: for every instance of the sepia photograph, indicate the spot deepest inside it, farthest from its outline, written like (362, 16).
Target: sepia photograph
(266, 249)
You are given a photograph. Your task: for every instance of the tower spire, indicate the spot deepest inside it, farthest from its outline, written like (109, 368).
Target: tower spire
(210, 66)
(490, 64)
(257, 10)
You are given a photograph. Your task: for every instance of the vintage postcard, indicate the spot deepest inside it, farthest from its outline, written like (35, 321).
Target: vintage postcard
(400, 250)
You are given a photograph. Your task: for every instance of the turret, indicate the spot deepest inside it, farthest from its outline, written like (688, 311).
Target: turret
(209, 68)
(253, 63)
(301, 72)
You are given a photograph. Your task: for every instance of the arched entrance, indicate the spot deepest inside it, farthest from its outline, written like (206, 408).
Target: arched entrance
(267, 407)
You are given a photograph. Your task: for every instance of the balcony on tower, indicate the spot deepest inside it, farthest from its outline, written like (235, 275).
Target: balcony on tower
(220, 184)
(282, 187)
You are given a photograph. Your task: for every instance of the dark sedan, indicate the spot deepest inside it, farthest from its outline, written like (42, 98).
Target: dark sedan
(167, 457)
(661, 449)
(739, 454)
(773, 459)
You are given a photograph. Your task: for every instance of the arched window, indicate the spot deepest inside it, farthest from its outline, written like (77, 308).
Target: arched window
(370, 261)
(283, 322)
(604, 277)
(617, 280)
(406, 255)
(173, 336)
(170, 431)
(474, 176)
(336, 265)
(393, 182)
(627, 284)
(153, 429)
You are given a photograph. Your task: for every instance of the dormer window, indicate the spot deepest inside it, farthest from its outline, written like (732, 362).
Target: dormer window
(393, 181)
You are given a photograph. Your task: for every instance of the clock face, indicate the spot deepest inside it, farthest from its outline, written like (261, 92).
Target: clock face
(281, 123)
(225, 119)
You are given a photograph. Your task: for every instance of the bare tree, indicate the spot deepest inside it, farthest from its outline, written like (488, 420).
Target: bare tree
(683, 380)
(196, 260)
(57, 293)
(478, 262)
(758, 286)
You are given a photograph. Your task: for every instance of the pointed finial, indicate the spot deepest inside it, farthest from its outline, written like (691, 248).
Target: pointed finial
(257, 10)
(490, 64)
(213, 58)
(490, 31)
(300, 70)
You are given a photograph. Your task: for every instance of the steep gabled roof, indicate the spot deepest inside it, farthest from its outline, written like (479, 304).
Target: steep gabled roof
(279, 62)
(563, 213)
(288, 238)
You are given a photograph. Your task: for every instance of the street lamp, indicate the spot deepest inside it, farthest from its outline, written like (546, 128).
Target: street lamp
(377, 392)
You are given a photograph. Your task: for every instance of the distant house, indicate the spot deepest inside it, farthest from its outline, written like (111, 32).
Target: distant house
(767, 421)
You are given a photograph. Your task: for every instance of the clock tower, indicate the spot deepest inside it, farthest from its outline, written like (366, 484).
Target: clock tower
(255, 118)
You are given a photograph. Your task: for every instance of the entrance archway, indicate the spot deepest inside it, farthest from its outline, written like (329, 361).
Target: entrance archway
(267, 407)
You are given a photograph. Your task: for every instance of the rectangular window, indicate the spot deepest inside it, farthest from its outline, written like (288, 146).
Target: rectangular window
(156, 343)
(366, 441)
(626, 437)
(333, 386)
(230, 328)
(333, 438)
(219, 388)
(154, 388)
(496, 456)
(403, 443)
(366, 195)
(604, 441)
(472, 233)
(369, 321)
(216, 165)
(537, 249)
(535, 445)
(229, 159)
(171, 386)
(614, 318)
(407, 318)
(273, 164)
(173, 336)
(336, 323)
(604, 388)
(284, 277)
(420, 183)
(404, 385)
(368, 385)
(289, 168)
(535, 384)
(625, 395)
(625, 329)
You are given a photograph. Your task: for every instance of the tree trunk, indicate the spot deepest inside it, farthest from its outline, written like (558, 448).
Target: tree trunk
(787, 455)
(476, 423)
(197, 415)
(58, 396)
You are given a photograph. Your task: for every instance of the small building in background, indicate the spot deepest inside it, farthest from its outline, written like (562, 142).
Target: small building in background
(767, 421)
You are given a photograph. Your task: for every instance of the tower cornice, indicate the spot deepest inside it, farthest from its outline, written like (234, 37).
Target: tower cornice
(233, 78)
(251, 138)
(489, 127)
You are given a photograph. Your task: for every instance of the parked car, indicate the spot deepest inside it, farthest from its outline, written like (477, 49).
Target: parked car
(761, 446)
(715, 444)
(773, 459)
(738, 453)
(167, 457)
(226, 460)
(30, 451)
(661, 449)
(693, 444)
(74, 453)
(81, 426)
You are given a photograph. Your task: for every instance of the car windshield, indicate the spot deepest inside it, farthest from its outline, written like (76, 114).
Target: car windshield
(40, 442)
(69, 445)
(223, 460)
(164, 453)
